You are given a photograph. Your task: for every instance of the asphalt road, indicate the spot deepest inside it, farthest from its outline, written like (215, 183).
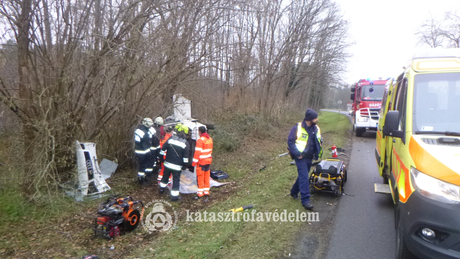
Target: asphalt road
(357, 225)
(364, 224)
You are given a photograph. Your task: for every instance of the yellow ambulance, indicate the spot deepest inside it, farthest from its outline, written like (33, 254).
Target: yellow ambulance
(418, 154)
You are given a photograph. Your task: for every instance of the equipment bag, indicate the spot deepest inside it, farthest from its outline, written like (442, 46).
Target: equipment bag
(219, 174)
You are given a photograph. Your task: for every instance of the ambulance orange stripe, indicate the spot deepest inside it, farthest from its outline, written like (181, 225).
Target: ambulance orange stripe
(428, 164)
(407, 187)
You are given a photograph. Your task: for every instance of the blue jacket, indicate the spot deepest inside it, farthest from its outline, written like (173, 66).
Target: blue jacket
(313, 146)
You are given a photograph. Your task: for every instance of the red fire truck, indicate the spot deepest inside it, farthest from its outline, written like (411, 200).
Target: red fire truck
(367, 98)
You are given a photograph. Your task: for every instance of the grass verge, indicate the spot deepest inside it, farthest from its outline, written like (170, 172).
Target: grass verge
(267, 189)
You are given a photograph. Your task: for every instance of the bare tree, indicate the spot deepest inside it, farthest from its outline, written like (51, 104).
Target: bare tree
(430, 33)
(89, 70)
(438, 33)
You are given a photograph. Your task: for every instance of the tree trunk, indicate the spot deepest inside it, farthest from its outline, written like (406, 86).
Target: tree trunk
(25, 92)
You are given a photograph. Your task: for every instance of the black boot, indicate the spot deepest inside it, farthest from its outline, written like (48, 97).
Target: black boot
(141, 180)
(175, 198)
(307, 206)
(161, 191)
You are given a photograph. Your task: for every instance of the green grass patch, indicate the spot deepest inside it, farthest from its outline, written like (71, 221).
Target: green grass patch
(335, 129)
(249, 153)
(267, 190)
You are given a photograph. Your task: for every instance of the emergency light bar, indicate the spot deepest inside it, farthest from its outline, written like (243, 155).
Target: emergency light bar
(438, 64)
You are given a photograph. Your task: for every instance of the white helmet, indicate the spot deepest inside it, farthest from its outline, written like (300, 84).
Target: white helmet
(159, 121)
(147, 122)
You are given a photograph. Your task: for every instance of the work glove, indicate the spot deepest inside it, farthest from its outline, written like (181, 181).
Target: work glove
(304, 154)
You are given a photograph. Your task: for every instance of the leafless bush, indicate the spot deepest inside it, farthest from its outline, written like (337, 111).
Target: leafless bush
(90, 70)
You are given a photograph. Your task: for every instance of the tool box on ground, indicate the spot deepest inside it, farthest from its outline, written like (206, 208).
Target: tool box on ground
(218, 175)
(117, 216)
(329, 176)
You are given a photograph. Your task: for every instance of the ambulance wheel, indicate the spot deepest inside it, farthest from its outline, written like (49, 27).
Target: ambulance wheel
(345, 175)
(402, 252)
(134, 217)
(337, 192)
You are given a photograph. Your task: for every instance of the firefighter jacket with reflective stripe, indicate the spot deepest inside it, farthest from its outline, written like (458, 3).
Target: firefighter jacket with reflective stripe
(155, 147)
(177, 151)
(298, 140)
(203, 150)
(142, 140)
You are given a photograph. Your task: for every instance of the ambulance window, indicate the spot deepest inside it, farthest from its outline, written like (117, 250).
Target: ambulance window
(400, 104)
(384, 106)
(436, 102)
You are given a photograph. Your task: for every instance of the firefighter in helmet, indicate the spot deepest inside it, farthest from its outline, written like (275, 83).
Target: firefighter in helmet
(143, 148)
(175, 152)
(157, 125)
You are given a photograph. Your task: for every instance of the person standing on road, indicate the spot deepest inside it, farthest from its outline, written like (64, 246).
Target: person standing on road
(143, 136)
(305, 145)
(175, 152)
(202, 160)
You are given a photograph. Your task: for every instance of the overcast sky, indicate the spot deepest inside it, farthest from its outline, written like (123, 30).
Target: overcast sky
(384, 33)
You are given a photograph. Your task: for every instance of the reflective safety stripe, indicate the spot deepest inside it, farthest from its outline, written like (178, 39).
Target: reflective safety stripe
(162, 152)
(137, 138)
(139, 133)
(163, 185)
(206, 189)
(152, 131)
(154, 148)
(172, 166)
(185, 160)
(142, 152)
(203, 151)
(177, 143)
(174, 193)
(140, 174)
(302, 138)
(200, 189)
(149, 170)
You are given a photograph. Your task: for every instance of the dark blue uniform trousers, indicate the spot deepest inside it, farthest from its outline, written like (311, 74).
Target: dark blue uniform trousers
(302, 183)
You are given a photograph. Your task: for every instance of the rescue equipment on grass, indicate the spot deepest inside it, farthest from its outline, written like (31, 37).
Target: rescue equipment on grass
(329, 176)
(218, 175)
(117, 216)
(241, 208)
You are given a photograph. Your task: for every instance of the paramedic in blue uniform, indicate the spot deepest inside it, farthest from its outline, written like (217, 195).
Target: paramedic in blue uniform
(305, 145)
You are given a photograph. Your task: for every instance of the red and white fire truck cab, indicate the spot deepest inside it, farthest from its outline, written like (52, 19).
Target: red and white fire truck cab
(367, 99)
